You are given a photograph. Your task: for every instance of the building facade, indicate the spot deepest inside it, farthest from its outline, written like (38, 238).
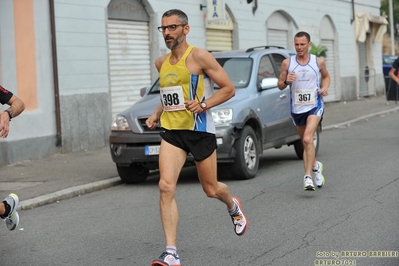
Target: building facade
(77, 63)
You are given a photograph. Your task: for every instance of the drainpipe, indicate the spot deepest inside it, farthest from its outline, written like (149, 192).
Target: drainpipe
(391, 28)
(58, 142)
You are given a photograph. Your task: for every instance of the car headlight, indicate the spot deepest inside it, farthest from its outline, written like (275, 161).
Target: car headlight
(222, 117)
(120, 123)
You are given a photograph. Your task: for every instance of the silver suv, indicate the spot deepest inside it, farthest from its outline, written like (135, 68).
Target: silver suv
(255, 119)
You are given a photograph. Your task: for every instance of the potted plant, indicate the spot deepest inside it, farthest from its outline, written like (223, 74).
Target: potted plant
(318, 50)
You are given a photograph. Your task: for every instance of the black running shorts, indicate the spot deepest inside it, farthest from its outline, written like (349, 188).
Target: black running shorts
(200, 144)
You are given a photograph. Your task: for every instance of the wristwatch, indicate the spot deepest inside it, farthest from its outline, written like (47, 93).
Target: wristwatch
(9, 113)
(285, 82)
(204, 106)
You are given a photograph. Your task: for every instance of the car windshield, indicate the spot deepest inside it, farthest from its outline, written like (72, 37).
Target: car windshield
(238, 70)
(388, 60)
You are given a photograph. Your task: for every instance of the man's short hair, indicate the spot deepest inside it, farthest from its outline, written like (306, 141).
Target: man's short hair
(303, 33)
(177, 12)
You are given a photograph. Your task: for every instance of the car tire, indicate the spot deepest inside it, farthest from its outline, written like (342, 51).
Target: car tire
(298, 145)
(133, 174)
(246, 163)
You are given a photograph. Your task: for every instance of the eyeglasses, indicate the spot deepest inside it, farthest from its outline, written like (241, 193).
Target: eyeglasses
(171, 27)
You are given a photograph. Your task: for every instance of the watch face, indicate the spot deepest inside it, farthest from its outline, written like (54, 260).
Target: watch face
(203, 105)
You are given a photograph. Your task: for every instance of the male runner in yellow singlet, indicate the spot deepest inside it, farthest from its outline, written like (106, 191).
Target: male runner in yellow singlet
(186, 77)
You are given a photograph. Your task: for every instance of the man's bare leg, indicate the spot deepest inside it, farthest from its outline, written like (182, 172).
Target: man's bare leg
(207, 174)
(171, 161)
(306, 133)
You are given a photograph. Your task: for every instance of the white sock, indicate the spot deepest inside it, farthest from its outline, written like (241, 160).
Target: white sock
(171, 250)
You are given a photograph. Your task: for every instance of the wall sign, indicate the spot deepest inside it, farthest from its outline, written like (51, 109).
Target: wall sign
(217, 16)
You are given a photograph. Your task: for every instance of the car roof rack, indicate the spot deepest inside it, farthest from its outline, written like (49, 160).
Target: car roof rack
(263, 47)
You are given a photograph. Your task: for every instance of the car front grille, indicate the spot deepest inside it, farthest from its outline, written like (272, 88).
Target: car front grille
(146, 129)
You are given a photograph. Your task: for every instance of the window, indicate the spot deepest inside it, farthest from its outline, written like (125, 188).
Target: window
(278, 60)
(238, 70)
(266, 69)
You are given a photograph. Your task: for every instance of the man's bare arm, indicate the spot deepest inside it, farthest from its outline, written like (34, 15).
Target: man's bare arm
(212, 68)
(392, 75)
(325, 77)
(153, 120)
(16, 107)
(283, 75)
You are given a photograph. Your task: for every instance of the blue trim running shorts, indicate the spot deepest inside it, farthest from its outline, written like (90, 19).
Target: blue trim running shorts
(300, 119)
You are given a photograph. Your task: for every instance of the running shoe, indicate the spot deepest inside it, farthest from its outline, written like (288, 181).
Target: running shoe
(239, 220)
(167, 259)
(12, 218)
(319, 178)
(308, 183)
(12, 222)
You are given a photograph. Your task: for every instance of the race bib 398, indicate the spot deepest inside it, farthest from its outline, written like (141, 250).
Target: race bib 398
(172, 98)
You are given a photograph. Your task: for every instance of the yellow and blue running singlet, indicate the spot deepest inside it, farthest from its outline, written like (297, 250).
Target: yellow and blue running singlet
(179, 85)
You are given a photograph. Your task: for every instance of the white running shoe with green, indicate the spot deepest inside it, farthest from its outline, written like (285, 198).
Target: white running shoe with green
(318, 175)
(308, 183)
(12, 217)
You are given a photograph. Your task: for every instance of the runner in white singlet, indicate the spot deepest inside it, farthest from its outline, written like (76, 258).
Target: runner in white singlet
(302, 73)
(304, 96)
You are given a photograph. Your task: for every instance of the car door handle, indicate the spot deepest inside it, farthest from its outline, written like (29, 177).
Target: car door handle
(283, 96)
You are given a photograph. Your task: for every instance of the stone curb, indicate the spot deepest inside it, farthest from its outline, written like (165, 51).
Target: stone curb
(365, 117)
(68, 193)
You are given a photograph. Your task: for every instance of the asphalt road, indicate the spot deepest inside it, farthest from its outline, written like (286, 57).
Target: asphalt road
(355, 214)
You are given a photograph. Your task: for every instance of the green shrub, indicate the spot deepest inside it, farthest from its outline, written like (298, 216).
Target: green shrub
(318, 50)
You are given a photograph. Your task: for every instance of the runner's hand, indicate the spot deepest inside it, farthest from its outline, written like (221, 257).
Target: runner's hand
(323, 91)
(4, 124)
(193, 106)
(152, 121)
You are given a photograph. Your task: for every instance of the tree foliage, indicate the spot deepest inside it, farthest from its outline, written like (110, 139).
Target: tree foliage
(384, 10)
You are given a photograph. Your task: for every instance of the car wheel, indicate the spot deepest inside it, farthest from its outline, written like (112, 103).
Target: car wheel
(298, 145)
(133, 174)
(246, 162)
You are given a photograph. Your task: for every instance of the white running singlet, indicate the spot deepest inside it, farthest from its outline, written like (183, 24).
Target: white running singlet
(304, 96)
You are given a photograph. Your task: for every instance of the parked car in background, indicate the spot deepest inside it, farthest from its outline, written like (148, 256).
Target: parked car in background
(387, 61)
(255, 119)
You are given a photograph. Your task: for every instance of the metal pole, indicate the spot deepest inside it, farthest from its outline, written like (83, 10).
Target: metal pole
(391, 23)
(58, 141)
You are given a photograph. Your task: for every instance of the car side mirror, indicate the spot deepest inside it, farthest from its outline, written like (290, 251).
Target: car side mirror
(268, 83)
(144, 90)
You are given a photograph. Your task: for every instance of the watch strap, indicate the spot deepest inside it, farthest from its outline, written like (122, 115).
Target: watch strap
(9, 113)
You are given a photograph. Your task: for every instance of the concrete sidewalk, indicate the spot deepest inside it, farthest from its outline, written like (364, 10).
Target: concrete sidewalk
(63, 176)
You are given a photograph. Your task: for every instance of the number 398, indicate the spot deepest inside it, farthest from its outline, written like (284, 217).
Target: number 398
(171, 99)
